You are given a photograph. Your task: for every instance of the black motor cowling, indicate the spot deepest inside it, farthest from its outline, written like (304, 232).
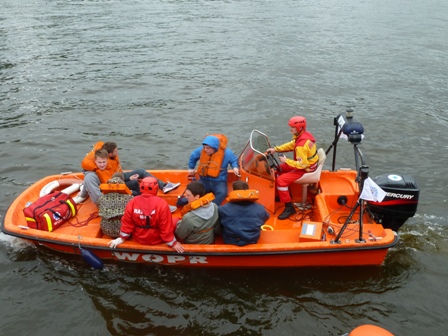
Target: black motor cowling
(400, 202)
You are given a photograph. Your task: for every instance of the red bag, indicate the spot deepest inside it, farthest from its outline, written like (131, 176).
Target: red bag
(50, 211)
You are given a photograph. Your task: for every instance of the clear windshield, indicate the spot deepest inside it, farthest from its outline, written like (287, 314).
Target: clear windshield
(259, 141)
(252, 159)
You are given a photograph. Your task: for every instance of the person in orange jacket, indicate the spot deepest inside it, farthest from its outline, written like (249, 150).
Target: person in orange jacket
(90, 164)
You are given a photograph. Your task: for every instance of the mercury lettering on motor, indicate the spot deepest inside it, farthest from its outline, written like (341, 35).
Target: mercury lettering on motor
(405, 196)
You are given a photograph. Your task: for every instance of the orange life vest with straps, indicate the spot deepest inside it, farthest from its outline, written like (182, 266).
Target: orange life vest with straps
(88, 163)
(210, 165)
(120, 188)
(204, 200)
(243, 195)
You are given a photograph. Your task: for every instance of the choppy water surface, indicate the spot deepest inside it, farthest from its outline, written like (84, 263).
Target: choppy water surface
(155, 76)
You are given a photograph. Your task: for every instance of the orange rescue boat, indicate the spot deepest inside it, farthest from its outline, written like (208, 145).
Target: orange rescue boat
(332, 226)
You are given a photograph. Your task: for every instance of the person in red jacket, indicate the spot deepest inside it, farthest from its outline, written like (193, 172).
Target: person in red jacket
(305, 159)
(148, 219)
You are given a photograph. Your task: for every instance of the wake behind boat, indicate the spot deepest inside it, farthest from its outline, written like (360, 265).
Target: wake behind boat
(338, 221)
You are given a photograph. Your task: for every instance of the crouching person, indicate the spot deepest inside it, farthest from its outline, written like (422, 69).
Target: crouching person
(200, 216)
(148, 219)
(241, 218)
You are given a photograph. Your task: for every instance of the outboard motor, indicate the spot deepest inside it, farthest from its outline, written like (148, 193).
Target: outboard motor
(400, 202)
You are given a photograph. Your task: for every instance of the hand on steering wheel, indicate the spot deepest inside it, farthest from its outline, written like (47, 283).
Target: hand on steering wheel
(273, 163)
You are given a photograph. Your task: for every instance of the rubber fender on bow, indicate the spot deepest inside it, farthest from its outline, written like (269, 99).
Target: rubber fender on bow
(71, 185)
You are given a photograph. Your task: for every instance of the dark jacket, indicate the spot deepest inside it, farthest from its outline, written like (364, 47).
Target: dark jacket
(241, 222)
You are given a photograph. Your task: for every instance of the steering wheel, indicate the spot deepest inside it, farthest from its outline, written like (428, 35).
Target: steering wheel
(273, 163)
(261, 163)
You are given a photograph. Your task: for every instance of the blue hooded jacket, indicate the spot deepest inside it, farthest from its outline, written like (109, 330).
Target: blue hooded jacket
(229, 158)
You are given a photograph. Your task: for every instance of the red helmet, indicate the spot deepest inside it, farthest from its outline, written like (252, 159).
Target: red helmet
(298, 122)
(149, 185)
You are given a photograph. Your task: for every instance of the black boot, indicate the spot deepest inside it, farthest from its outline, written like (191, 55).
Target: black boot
(289, 210)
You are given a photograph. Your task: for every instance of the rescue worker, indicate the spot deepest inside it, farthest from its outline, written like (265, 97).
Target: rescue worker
(148, 219)
(305, 159)
(214, 157)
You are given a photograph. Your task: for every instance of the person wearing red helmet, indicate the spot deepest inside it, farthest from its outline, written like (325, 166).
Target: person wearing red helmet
(148, 219)
(305, 158)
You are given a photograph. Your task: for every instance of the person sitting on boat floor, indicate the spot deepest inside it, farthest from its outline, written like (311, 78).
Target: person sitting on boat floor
(241, 217)
(200, 219)
(303, 145)
(214, 157)
(129, 177)
(90, 165)
(111, 207)
(93, 178)
(147, 218)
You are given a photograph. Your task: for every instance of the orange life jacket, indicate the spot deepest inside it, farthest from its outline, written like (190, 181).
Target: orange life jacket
(120, 188)
(88, 163)
(210, 165)
(204, 200)
(115, 164)
(243, 195)
(104, 175)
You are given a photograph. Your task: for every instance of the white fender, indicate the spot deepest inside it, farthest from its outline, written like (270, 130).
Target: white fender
(71, 185)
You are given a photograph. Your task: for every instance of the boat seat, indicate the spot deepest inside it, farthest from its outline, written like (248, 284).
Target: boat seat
(312, 177)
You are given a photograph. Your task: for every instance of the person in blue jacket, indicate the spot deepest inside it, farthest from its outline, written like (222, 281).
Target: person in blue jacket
(241, 218)
(214, 158)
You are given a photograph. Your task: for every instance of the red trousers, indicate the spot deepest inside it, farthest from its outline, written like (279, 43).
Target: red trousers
(285, 178)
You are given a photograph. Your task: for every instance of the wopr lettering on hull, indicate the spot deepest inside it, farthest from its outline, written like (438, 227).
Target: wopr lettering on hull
(159, 259)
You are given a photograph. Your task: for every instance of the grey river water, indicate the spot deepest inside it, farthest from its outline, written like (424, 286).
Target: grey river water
(155, 76)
